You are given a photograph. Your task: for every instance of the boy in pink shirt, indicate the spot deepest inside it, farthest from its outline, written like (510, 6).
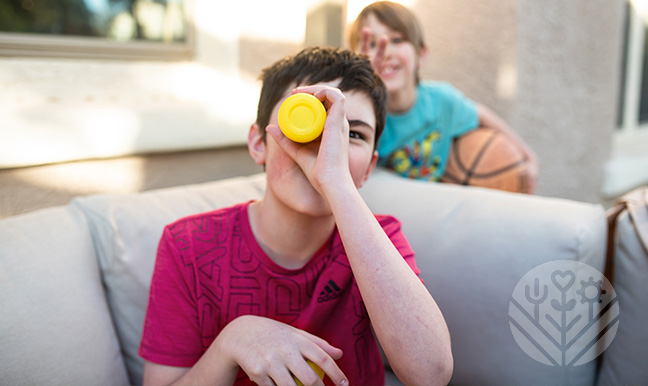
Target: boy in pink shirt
(249, 294)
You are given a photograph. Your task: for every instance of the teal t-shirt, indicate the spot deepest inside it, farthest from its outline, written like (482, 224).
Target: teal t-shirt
(416, 144)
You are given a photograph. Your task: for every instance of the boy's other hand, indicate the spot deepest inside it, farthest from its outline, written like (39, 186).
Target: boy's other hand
(270, 352)
(376, 54)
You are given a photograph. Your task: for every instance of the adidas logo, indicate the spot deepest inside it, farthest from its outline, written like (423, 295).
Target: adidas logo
(331, 291)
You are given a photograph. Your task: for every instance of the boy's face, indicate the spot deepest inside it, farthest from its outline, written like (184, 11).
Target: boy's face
(287, 183)
(401, 64)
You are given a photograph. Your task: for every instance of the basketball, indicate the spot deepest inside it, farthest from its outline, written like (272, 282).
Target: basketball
(488, 158)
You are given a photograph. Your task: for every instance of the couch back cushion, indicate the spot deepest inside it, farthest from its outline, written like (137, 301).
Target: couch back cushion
(55, 325)
(126, 230)
(473, 246)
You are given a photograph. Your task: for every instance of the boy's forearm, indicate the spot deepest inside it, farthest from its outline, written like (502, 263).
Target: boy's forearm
(211, 369)
(405, 317)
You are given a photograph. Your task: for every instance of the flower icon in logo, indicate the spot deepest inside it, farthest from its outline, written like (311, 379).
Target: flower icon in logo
(591, 292)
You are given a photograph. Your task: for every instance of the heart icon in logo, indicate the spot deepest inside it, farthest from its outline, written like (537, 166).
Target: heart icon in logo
(563, 280)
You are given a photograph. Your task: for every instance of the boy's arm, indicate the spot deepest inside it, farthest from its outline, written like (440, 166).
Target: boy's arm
(269, 352)
(405, 317)
(488, 118)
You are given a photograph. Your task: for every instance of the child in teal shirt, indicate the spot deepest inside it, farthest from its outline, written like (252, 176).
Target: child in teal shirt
(418, 142)
(423, 117)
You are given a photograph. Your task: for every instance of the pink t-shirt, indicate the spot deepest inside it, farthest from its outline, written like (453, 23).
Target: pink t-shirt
(210, 270)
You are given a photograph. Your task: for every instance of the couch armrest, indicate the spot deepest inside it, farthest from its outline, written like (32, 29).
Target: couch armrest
(126, 229)
(473, 246)
(624, 363)
(55, 327)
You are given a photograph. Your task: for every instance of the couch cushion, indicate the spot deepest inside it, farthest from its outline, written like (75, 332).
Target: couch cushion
(55, 326)
(473, 246)
(126, 230)
(624, 363)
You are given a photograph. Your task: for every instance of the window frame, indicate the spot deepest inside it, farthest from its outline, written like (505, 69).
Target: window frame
(628, 166)
(91, 47)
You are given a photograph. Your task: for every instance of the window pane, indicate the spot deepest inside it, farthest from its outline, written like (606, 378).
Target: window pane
(624, 64)
(643, 107)
(121, 20)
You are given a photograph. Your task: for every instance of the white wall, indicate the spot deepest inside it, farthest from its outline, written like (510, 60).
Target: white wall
(550, 68)
(54, 109)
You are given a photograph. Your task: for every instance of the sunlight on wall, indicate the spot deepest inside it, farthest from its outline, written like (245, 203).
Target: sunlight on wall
(123, 176)
(507, 80)
(224, 98)
(641, 6)
(282, 20)
(90, 132)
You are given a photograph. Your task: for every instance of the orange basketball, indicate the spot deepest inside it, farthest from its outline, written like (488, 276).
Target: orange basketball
(488, 158)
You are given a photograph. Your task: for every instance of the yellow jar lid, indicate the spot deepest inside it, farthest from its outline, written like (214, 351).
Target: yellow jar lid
(301, 117)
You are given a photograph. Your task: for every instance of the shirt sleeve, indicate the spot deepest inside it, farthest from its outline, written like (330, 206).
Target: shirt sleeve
(171, 334)
(460, 113)
(392, 227)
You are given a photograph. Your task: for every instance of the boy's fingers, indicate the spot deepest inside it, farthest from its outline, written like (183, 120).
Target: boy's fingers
(331, 98)
(330, 368)
(331, 350)
(284, 142)
(305, 374)
(282, 377)
(366, 41)
(380, 54)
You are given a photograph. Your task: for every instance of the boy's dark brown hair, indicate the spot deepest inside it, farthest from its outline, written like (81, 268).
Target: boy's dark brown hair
(322, 64)
(395, 16)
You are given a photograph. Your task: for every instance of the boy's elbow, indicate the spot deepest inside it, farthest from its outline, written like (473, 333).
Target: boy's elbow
(440, 372)
(435, 372)
(445, 369)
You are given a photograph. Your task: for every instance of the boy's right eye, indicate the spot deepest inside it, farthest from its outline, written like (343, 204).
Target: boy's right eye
(355, 135)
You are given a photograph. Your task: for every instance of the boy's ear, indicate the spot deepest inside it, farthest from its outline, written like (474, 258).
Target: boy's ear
(256, 144)
(370, 168)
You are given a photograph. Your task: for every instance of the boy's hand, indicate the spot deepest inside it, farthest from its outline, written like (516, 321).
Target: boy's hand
(270, 352)
(377, 58)
(325, 162)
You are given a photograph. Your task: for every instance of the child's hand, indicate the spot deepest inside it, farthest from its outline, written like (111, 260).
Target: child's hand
(375, 54)
(270, 352)
(325, 162)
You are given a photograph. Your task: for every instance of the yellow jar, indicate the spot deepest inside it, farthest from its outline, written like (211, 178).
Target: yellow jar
(301, 117)
(315, 367)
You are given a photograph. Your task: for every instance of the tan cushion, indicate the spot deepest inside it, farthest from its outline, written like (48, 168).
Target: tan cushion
(55, 327)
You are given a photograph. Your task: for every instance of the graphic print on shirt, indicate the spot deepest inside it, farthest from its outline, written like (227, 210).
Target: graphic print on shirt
(417, 159)
(226, 275)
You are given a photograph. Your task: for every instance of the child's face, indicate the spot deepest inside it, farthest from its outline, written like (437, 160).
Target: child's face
(401, 59)
(288, 184)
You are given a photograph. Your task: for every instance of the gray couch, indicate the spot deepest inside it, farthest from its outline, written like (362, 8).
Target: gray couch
(74, 280)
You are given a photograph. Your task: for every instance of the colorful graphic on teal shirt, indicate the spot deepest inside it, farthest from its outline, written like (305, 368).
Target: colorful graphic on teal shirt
(418, 160)
(416, 144)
